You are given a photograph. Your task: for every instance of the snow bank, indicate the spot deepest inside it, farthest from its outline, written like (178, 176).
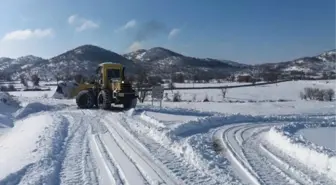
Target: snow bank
(8, 105)
(316, 157)
(175, 111)
(151, 120)
(7, 99)
(195, 150)
(30, 109)
(164, 119)
(36, 145)
(198, 151)
(203, 122)
(202, 125)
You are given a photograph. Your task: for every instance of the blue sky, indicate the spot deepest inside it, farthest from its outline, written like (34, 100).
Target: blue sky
(240, 30)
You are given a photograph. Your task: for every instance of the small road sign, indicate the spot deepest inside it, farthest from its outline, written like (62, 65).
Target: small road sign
(157, 93)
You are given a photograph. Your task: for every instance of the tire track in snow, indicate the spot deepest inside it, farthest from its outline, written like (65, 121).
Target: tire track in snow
(296, 175)
(75, 169)
(140, 157)
(268, 171)
(89, 170)
(108, 172)
(243, 141)
(176, 164)
(237, 158)
(105, 165)
(285, 166)
(127, 169)
(242, 146)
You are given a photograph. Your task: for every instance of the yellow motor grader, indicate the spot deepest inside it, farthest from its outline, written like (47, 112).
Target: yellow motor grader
(109, 88)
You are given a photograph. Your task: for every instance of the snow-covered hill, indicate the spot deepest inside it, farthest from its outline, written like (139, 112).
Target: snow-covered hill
(162, 61)
(314, 65)
(9, 66)
(81, 60)
(156, 61)
(167, 57)
(84, 60)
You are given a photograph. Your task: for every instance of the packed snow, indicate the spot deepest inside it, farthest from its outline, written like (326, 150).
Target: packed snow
(319, 135)
(254, 135)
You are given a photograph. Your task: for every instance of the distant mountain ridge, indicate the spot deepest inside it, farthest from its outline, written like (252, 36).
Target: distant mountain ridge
(313, 66)
(155, 61)
(162, 61)
(84, 60)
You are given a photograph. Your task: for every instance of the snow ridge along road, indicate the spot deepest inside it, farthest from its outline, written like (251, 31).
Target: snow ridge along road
(257, 162)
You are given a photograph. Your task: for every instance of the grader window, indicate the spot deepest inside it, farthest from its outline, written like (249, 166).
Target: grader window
(113, 73)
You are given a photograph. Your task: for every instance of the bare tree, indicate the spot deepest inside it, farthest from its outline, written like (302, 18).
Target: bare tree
(177, 97)
(196, 78)
(142, 84)
(11, 87)
(179, 78)
(130, 79)
(23, 80)
(171, 86)
(142, 77)
(329, 94)
(206, 98)
(317, 94)
(142, 96)
(35, 79)
(303, 96)
(68, 70)
(224, 90)
(154, 80)
(194, 98)
(57, 77)
(5, 76)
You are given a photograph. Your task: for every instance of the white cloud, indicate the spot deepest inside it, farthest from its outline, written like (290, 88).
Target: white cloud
(28, 34)
(173, 33)
(82, 24)
(135, 46)
(88, 24)
(72, 19)
(130, 24)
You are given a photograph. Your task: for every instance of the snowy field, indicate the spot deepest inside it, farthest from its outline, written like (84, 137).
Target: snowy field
(255, 135)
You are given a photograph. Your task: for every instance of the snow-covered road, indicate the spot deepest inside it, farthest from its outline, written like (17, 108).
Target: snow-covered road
(131, 162)
(103, 147)
(51, 142)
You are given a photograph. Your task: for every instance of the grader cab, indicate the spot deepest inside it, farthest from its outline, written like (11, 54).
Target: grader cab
(109, 88)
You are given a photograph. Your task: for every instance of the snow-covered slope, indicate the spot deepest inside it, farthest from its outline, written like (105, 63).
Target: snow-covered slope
(162, 56)
(313, 66)
(156, 61)
(8, 66)
(84, 60)
(81, 60)
(162, 61)
(135, 55)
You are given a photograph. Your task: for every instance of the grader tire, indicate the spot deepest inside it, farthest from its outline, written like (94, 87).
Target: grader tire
(104, 99)
(85, 99)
